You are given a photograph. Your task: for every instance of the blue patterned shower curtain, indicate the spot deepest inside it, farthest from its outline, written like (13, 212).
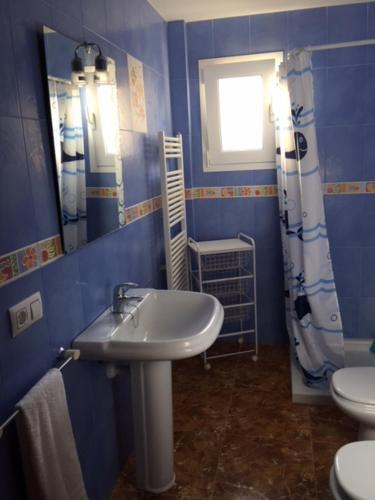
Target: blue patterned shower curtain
(70, 160)
(313, 314)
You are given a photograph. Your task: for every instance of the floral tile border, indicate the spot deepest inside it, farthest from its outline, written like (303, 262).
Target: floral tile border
(25, 260)
(329, 188)
(230, 192)
(142, 209)
(366, 187)
(357, 187)
(101, 192)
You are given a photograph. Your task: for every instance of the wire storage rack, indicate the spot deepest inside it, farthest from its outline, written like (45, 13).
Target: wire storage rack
(227, 270)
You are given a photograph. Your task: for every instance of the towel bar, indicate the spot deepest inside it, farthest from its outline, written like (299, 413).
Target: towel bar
(64, 354)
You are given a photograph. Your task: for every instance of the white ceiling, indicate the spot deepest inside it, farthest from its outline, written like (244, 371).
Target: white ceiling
(196, 10)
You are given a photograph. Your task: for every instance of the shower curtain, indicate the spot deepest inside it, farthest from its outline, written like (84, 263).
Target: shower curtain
(70, 161)
(312, 309)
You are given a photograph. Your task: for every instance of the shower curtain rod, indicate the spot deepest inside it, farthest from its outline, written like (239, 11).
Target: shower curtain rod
(331, 46)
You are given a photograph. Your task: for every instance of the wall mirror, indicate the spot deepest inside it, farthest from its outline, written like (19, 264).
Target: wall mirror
(82, 96)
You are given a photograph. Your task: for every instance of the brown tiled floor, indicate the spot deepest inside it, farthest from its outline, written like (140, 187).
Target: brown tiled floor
(238, 435)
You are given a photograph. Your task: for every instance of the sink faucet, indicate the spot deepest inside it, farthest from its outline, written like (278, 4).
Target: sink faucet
(120, 299)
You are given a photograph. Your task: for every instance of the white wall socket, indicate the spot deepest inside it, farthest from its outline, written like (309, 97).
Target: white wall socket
(25, 313)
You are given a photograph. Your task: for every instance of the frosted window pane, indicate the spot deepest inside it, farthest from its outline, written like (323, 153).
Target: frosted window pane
(241, 113)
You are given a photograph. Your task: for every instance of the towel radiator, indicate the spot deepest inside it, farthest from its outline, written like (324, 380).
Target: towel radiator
(174, 212)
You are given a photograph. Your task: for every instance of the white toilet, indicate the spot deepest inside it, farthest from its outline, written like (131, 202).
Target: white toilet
(353, 472)
(353, 390)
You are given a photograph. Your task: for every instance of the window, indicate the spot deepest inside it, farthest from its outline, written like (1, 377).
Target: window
(236, 114)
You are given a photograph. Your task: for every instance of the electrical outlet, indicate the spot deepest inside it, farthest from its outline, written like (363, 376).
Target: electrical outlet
(25, 313)
(22, 317)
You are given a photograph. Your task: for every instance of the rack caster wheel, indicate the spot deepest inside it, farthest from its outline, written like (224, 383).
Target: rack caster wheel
(240, 340)
(207, 366)
(254, 358)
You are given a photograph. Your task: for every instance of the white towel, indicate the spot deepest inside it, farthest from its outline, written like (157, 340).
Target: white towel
(49, 454)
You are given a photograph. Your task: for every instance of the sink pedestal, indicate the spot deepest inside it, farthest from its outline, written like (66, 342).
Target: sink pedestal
(167, 325)
(151, 383)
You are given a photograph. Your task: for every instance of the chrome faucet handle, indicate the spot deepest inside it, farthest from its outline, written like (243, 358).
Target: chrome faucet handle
(121, 289)
(129, 284)
(119, 295)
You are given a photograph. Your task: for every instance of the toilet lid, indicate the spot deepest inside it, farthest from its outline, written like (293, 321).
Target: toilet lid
(355, 469)
(356, 383)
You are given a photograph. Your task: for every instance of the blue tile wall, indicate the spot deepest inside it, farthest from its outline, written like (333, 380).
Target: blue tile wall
(179, 79)
(200, 44)
(350, 307)
(40, 166)
(94, 16)
(370, 51)
(217, 218)
(115, 14)
(78, 381)
(345, 85)
(124, 419)
(348, 230)
(339, 154)
(368, 152)
(345, 116)
(231, 36)
(177, 53)
(309, 27)
(366, 317)
(76, 288)
(67, 24)
(9, 104)
(271, 317)
(140, 166)
(367, 221)
(67, 296)
(27, 18)
(347, 23)
(349, 283)
(17, 217)
(181, 111)
(268, 32)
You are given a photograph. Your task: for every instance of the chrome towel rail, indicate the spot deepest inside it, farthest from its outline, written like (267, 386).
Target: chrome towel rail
(64, 354)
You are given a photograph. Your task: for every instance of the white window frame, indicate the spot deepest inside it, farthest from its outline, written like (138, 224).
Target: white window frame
(210, 70)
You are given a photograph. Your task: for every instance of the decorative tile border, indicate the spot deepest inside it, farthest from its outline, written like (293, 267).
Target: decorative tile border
(142, 209)
(230, 192)
(329, 188)
(101, 192)
(26, 260)
(367, 187)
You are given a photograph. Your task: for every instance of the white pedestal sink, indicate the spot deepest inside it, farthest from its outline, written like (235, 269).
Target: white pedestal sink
(166, 325)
